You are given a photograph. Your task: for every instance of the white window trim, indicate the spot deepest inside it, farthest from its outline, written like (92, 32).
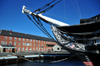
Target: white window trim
(14, 43)
(33, 40)
(2, 42)
(19, 48)
(19, 39)
(23, 39)
(23, 49)
(19, 44)
(10, 38)
(10, 42)
(5, 42)
(5, 37)
(15, 38)
(27, 39)
(30, 49)
(23, 44)
(26, 48)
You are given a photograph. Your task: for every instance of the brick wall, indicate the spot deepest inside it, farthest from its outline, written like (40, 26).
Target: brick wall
(24, 44)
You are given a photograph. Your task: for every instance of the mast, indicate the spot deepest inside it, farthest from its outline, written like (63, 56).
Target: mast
(44, 18)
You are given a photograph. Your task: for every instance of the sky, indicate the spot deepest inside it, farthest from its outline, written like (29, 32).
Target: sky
(67, 11)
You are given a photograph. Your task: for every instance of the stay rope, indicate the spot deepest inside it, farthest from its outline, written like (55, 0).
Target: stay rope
(41, 28)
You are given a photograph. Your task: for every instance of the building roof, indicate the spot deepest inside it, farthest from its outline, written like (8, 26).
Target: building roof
(23, 35)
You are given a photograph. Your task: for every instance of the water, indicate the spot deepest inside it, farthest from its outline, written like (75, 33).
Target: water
(49, 63)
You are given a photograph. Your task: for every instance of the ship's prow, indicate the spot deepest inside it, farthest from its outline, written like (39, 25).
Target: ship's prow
(82, 40)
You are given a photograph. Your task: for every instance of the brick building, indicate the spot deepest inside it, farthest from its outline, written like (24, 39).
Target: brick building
(24, 42)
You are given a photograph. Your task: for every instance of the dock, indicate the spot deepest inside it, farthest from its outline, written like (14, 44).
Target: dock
(9, 57)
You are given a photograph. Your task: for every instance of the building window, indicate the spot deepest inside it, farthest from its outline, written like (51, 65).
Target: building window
(5, 37)
(41, 44)
(39, 49)
(19, 48)
(34, 40)
(33, 48)
(23, 44)
(15, 38)
(14, 43)
(23, 49)
(19, 43)
(2, 42)
(10, 38)
(30, 40)
(23, 39)
(27, 44)
(5, 43)
(30, 48)
(10, 42)
(19, 39)
(27, 39)
(33, 44)
(36, 44)
(36, 48)
(26, 48)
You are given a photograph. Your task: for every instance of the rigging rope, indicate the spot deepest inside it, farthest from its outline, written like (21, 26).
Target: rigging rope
(43, 7)
(78, 8)
(65, 10)
(75, 8)
(39, 22)
(39, 27)
(49, 7)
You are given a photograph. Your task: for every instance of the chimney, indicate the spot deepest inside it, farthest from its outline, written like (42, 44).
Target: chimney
(10, 31)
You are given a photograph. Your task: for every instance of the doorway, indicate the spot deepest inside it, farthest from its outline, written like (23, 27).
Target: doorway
(4, 50)
(13, 50)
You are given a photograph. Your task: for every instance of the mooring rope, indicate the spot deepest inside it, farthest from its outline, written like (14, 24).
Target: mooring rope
(25, 58)
(51, 62)
(62, 59)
